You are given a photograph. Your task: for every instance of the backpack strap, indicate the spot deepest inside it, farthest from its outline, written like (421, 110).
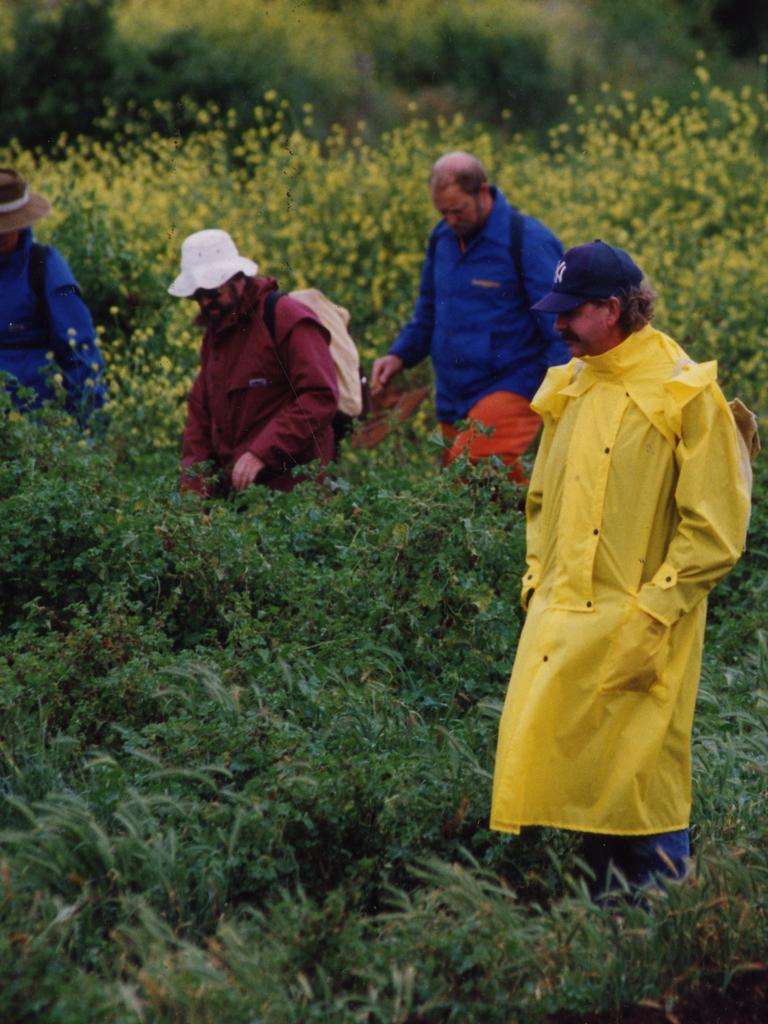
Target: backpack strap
(516, 250)
(269, 313)
(38, 256)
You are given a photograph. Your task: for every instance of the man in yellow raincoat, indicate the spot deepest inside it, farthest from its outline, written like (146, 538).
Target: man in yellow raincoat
(637, 506)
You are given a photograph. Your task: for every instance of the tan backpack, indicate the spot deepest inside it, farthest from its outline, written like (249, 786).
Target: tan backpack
(352, 383)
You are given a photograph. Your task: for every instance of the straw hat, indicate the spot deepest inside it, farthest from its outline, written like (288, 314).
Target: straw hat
(18, 206)
(208, 259)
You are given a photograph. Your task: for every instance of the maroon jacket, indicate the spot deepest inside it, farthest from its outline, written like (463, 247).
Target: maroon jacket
(243, 399)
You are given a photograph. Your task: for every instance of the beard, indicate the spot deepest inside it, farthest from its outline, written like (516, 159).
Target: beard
(213, 314)
(215, 311)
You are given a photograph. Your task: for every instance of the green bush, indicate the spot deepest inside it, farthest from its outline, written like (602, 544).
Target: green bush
(155, 65)
(474, 57)
(54, 77)
(246, 748)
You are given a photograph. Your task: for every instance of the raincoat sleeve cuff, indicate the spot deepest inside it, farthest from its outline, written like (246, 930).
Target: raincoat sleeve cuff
(528, 585)
(660, 597)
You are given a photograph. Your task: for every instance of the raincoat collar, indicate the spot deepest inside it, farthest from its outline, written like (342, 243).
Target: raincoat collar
(635, 358)
(636, 355)
(655, 372)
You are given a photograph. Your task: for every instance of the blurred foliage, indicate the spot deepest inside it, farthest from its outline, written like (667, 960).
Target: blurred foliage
(483, 57)
(61, 59)
(58, 70)
(680, 188)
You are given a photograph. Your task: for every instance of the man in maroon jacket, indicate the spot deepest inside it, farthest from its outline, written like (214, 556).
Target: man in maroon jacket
(259, 406)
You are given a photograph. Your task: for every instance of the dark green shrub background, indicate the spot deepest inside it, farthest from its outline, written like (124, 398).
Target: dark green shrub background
(63, 58)
(245, 755)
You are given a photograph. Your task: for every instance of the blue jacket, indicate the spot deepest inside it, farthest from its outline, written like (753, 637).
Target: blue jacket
(472, 316)
(29, 330)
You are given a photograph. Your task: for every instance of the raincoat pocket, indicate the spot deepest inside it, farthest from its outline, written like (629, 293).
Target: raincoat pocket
(636, 655)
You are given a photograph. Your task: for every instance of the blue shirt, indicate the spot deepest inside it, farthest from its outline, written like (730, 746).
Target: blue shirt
(62, 325)
(473, 318)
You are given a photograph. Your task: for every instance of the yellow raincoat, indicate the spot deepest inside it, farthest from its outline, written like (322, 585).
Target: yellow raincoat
(637, 506)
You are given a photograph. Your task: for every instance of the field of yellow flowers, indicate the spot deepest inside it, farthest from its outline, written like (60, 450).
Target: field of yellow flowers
(682, 190)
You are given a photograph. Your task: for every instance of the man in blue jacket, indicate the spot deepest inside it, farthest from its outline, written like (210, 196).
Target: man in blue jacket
(486, 265)
(46, 331)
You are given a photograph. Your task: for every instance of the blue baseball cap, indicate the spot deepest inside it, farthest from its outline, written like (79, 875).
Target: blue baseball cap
(592, 271)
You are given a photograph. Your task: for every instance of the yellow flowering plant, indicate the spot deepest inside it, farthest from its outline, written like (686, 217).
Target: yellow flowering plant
(680, 189)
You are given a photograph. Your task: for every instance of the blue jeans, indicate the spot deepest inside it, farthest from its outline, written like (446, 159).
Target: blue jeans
(640, 859)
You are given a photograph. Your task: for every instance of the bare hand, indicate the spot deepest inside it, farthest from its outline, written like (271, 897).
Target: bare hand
(384, 370)
(245, 471)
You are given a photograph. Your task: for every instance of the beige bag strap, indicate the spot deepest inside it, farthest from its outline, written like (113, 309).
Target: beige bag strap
(747, 436)
(747, 423)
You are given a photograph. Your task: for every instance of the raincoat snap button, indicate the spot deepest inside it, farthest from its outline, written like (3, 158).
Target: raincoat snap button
(545, 658)
(595, 532)
(669, 579)
(606, 450)
(589, 604)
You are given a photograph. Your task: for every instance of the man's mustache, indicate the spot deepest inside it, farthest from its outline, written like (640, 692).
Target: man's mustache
(211, 313)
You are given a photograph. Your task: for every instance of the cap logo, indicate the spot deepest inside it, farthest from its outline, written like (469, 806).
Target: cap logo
(560, 270)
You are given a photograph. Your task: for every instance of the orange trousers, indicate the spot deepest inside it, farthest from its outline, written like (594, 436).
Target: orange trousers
(514, 425)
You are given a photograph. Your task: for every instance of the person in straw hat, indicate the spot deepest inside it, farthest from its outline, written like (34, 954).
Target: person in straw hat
(46, 331)
(259, 406)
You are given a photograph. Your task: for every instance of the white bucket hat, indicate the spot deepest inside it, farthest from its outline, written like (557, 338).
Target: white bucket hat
(208, 259)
